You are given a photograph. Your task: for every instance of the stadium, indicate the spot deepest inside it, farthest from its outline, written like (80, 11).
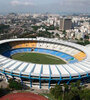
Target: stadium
(64, 61)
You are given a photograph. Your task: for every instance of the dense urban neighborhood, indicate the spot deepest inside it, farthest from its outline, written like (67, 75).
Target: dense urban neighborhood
(75, 28)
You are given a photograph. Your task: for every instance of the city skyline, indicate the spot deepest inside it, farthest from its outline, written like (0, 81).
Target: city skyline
(43, 6)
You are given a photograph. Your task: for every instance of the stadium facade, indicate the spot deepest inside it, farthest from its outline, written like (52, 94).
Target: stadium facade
(77, 59)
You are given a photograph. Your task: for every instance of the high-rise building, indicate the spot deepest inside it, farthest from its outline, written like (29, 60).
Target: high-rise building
(65, 24)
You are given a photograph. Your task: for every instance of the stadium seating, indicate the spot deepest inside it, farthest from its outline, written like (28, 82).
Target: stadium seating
(80, 56)
(61, 55)
(58, 47)
(4, 47)
(62, 51)
(24, 44)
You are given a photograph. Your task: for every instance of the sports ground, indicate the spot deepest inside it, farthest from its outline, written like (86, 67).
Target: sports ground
(23, 96)
(38, 58)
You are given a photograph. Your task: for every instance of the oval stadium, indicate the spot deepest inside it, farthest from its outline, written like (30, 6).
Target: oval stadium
(43, 62)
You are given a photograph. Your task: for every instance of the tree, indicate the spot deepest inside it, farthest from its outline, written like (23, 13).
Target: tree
(64, 32)
(66, 87)
(85, 94)
(14, 85)
(4, 91)
(75, 92)
(74, 95)
(78, 84)
(57, 91)
(3, 27)
(57, 35)
(52, 91)
(86, 37)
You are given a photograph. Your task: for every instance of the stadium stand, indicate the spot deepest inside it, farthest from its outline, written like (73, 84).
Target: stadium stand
(64, 56)
(4, 47)
(23, 44)
(80, 56)
(77, 54)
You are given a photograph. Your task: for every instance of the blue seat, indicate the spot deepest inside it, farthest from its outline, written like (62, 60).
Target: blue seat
(62, 55)
(35, 49)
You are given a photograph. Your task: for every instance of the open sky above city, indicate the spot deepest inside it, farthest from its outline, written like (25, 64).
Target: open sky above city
(43, 6)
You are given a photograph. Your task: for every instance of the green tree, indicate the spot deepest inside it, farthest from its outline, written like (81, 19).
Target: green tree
(78, 84)
(4, 91)
(66, 87)
(57, 91)
(64, 32)
(85, 94)
(14, 85)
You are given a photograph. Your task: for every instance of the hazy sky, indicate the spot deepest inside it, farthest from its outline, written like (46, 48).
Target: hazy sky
(42, 6)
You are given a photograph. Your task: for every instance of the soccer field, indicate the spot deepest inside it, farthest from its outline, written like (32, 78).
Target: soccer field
(38, 58)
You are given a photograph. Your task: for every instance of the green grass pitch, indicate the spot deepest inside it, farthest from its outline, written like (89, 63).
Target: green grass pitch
(38, 58)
